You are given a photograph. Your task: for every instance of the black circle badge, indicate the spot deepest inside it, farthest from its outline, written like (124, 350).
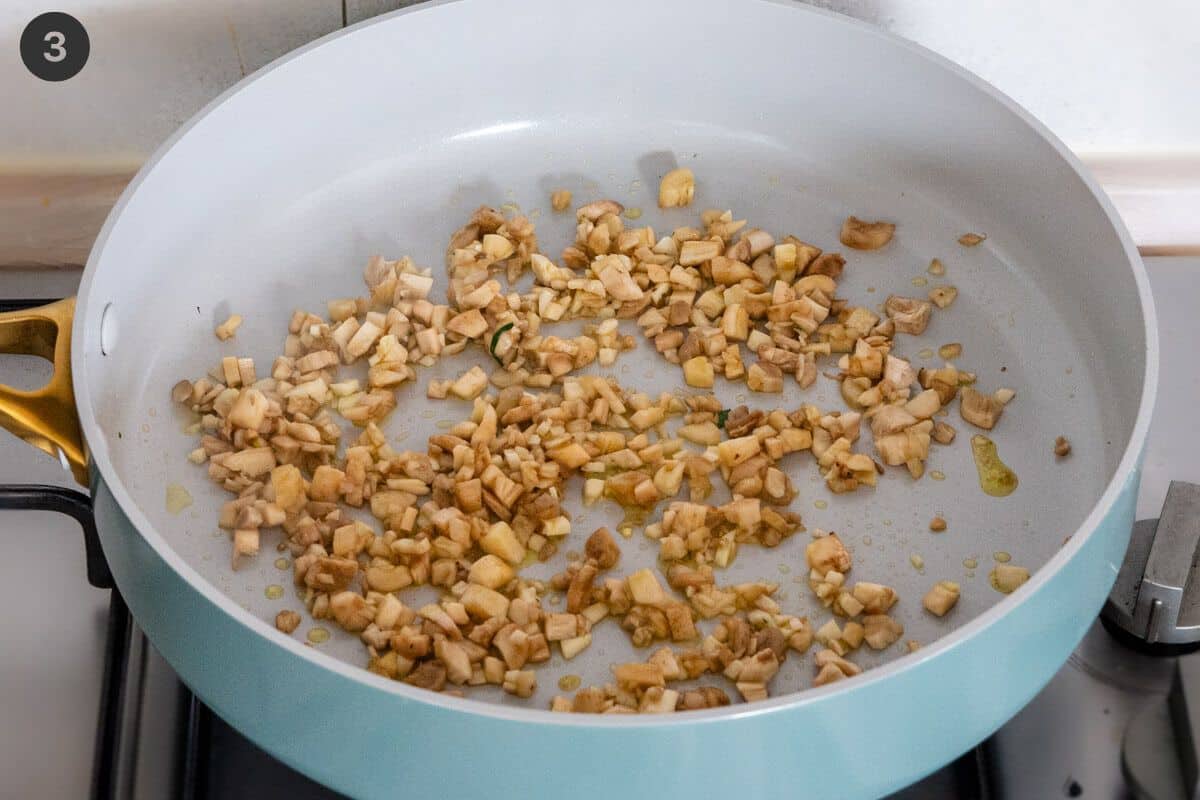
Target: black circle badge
(55, 46)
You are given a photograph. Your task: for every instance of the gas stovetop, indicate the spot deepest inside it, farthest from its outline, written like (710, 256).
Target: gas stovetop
(90, 707)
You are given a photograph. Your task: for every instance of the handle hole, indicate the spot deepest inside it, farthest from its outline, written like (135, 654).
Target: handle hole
(25, 373)
(108, 330)
(35, 337)
(30, 349)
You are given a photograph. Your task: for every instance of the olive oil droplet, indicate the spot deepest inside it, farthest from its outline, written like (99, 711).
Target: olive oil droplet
(995, 478)
(178, 498)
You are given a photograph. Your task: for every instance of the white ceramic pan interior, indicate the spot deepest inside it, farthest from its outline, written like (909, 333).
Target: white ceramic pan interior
(384, 141)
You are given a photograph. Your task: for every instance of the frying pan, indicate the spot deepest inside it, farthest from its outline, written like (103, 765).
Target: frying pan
(383, 138)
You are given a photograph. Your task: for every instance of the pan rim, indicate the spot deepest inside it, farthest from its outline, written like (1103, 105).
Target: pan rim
(1129, 462)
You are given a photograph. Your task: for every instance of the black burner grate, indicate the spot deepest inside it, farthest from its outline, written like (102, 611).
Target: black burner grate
(220, 763)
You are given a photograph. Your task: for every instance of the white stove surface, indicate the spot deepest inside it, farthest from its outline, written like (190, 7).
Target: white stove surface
(52, 633)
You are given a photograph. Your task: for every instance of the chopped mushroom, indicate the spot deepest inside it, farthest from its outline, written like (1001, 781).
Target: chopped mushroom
(950, 351)
(702, 697)
(227, 329)
(1007, 578)
(828, 553)
(469, 384)
(942, 433)
(560, 199)
(602, 548)
(832, 667)
(764, 378)
(881, 631)
(676, 188)
(182, 392)
(909, 314)
(863, 235)
(941, 598)
(697, 251)
(943, 296)
(520, 682)
(981, 410)
(287, 621)
(874, 597)
(698, 372)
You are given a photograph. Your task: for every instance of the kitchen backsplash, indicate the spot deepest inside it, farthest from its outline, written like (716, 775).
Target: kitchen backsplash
(1112, 81)
(1112, 78)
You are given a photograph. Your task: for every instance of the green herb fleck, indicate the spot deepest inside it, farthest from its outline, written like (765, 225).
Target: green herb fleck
(722, 415)
(496, 340)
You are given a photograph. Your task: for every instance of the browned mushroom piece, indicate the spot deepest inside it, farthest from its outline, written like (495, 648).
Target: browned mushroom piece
(560, 199)
(287, 621)
(862, 235)
(677, 188)
(981, 410)
(603, 549)
(909, 314)
(941, 598)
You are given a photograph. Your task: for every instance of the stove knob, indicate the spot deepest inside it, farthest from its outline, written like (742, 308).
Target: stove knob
(1155, 604)
(1160, 752)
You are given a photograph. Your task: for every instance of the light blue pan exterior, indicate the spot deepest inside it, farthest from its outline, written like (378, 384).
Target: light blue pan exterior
(372, 738)
(860, 738)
